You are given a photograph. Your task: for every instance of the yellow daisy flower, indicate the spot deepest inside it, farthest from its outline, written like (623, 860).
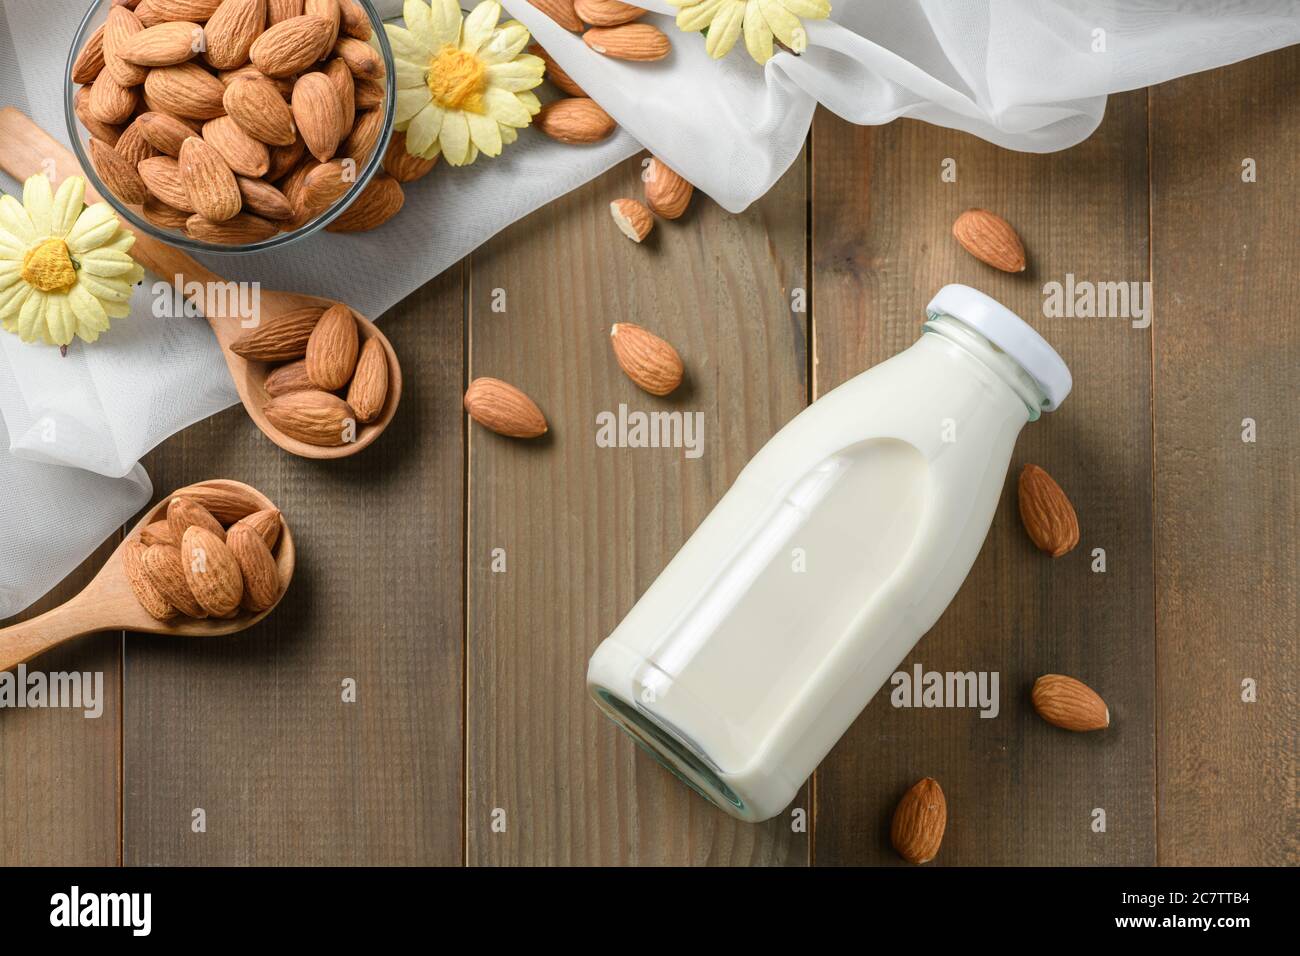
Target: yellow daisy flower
(64, 266)
(761, 21)
(462, 87)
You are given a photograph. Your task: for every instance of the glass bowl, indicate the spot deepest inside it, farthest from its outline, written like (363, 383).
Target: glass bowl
(80, 137)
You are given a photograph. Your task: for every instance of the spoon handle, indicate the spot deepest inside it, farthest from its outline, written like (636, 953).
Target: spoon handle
(21, 642)
(26, 149)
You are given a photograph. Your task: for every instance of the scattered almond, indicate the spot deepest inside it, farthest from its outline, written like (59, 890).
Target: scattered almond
(666, 193)
(1047, 513)
(504, 409)
(561, 11)
(648, 360)
(632, 41)
(990, 239)
(1069, 704)
(919, 822)
(574, 120)
(607, 13)
(633, 218)
(555, 73)
(401, 165)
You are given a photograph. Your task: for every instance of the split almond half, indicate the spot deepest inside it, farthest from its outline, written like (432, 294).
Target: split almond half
(632, 218)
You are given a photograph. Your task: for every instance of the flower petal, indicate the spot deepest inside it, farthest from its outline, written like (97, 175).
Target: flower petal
(484, 133)
(410, 75)
(480, 23)
(505, 107)
(424, 129)
(68, 202)
(808, 9)
(91, 317)
(783, 23)
(419, 23)
(105, 289)
(758, 35)
(725, 29)
(520, 74)
(38, 200)
(107, 263)
(31, 318)
(445, 18)
(693, 19)
(505, 44)
(409, 102)
(454, 137)
(407, 45)
(14, 220)
(95, 226)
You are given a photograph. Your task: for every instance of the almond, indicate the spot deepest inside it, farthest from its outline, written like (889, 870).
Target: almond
(354, 21)
(243, 154)
(256, 566)
(162, 177)
(1047, 513)
(990, 239)
(318, 113)
(232, 30)
(294, 185)
(369, 386)
(369, 93)
(666, 193)
(91, 58)
(238, 230)
(919, 822)
(332, 349)
(227, 501)
(633, 218)
(263, 199)
(555, 73)
(104, 132)
(277, 11)
(163, 45)
(282, 339)
(119, 28)
(185, 90)
(326, 10)
(133, 147)
(291, 46)
(345, 88)
(321, 187)
(288, 378)
(146, 14)
(159, 532)
(208, 181)
(647, 359)
(150, 597)
(164, 132)
(197, 10)
(561, 11)
(285, 158)
(259, 109)
(1069, 704)
(504, 409)
(211, 572)
(362, 59)
(283, 85)
(575, 120)
(401, 165)
(633, 41)
(606, 13)
(317, 418)
(118, 174)
(111, 102)
(163, 215)
(162, 563)
(266, 523)
(379, 202)
(184, 512)
(365, 134)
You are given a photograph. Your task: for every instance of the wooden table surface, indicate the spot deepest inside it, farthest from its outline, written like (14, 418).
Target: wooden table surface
(470, 706)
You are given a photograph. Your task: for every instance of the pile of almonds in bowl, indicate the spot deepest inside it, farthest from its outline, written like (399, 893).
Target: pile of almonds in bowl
(325, 382)
(213, 551)
(229, 122)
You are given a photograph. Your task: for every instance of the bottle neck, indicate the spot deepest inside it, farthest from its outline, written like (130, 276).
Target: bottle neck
(993, 358)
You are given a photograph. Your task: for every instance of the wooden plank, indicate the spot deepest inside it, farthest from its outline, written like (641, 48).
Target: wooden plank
(253, 729)
(1019, 791)
(1227, 279)
(585, 530)
(58, 768)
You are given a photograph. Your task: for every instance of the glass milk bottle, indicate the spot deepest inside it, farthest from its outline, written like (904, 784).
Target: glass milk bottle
(835, 550)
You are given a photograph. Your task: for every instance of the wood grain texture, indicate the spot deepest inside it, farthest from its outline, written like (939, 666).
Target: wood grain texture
(252, 729)
(1019, 791)
(585, 530)
(1227, 279)
(58, 768)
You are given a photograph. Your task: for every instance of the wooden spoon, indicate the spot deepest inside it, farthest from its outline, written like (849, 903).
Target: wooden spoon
(109, 604)
(26, 149)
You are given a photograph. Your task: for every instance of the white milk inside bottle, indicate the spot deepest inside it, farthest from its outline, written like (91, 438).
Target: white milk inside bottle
(836, 549)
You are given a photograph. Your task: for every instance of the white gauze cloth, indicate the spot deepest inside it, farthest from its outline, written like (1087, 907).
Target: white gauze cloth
(1026, 74)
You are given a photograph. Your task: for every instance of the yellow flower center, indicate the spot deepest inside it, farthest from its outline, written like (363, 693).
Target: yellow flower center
(457, 79)
(48, 266)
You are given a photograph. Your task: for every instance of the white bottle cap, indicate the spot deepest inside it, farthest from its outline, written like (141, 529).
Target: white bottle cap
(1009, 332)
